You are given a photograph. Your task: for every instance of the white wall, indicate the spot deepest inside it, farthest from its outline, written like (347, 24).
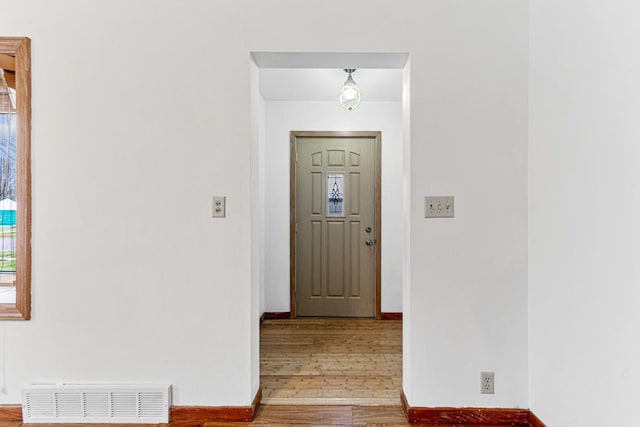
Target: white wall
(134, 130)
(285, 116)
(141, 112)
(583, 213)
(468, 297)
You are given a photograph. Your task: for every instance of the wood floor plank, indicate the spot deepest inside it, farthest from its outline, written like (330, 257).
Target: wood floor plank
(309, 415)
(379, 415)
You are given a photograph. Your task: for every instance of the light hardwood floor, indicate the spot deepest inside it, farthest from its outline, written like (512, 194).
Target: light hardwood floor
(331, 361)
(281, 415)
(351, 416)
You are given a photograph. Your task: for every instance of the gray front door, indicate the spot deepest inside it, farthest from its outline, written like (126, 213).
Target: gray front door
(335, 271)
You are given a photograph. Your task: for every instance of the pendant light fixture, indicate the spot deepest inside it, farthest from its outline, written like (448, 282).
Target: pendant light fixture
(350, 92)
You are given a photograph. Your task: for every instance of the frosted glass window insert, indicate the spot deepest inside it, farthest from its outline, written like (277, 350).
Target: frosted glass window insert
(335, 200)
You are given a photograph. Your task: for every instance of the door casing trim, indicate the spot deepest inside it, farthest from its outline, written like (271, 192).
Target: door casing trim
(377, 140)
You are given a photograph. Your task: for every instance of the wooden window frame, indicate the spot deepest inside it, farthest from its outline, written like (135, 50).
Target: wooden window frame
(20, 49)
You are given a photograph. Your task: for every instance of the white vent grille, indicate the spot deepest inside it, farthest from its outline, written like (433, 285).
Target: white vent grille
(96, 403)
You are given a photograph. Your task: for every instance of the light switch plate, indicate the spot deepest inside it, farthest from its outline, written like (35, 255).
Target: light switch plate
(219, 207)
(438, 207)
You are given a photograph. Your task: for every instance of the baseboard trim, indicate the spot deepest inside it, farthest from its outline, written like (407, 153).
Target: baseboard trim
(391, 316)
(177, 413)
(405, 404)
(469, 416)
(414, 415)
(535, 421)
(10, 413)
(277, 315)
(203, 414)
(422, 415)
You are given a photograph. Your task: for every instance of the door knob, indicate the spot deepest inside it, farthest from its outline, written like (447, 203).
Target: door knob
(370, 242)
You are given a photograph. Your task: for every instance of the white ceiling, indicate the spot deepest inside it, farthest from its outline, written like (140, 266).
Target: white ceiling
(323, 84)
(318, 76)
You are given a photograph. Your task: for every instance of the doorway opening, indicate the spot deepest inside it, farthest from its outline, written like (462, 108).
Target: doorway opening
(292, 91)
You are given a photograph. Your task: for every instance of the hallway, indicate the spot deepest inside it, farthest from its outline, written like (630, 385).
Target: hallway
(324, 361)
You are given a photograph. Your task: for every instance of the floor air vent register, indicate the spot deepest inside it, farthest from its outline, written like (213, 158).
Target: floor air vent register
(96, 403)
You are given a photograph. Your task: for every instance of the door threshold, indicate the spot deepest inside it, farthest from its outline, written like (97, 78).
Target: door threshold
(333, 401)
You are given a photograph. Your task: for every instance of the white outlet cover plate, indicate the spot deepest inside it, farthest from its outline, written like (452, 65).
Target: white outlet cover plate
(487, 382)
(219, 207)
(438, 207)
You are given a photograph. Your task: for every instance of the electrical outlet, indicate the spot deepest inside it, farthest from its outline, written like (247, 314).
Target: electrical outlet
(487, 382)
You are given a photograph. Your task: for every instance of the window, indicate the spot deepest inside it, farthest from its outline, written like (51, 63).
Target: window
(15, 178)
(335, 190)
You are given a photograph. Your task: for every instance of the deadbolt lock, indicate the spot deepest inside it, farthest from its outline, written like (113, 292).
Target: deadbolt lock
(368, 229)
